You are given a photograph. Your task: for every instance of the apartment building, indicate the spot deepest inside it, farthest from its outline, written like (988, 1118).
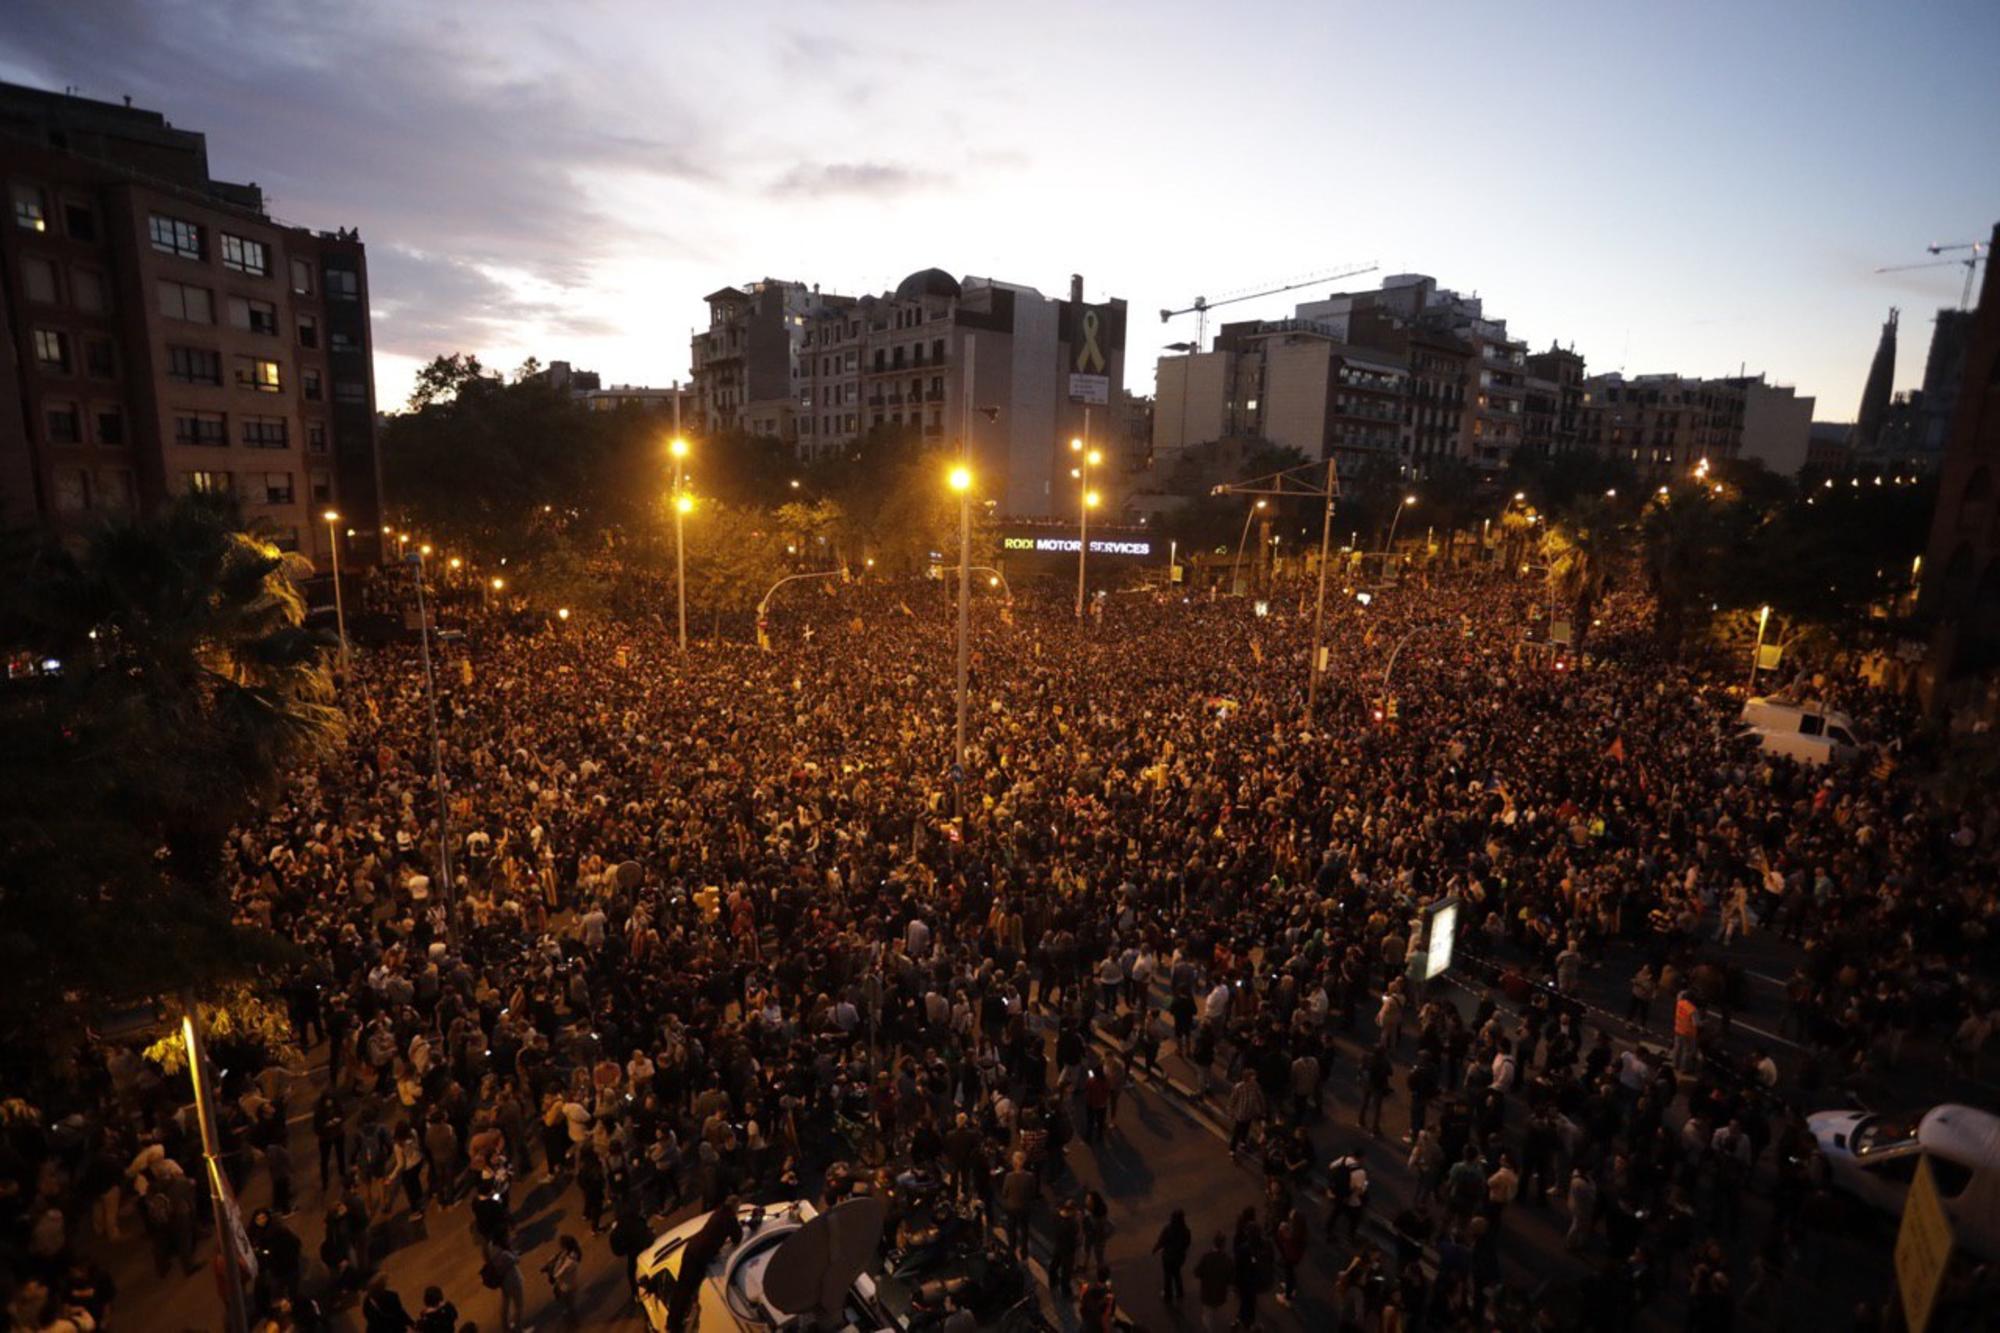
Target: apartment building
(1663, 425)
(1016, 373)
(165, 334)
(1777, 426)
(1552, 402)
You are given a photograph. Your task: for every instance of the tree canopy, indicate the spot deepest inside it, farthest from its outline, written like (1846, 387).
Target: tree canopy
(181, 684)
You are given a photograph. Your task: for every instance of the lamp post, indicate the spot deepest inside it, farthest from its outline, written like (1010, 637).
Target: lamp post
(332, 516)
(1086, 500)
(678, 447)
(1390, 545)
(1319, 597)
(1757, 651)
(437, 756)
(211, 1151)
(961, 481)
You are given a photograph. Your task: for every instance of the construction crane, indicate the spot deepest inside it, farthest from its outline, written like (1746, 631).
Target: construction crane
(1970, 263)
(1202, 305)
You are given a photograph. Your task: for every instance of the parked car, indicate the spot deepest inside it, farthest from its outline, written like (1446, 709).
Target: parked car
(1873, 1157)
(733, 1296)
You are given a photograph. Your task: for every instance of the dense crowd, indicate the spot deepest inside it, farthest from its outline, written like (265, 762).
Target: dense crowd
(712, 923)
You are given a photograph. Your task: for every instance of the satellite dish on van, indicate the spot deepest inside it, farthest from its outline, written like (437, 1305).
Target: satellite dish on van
(812, 1269)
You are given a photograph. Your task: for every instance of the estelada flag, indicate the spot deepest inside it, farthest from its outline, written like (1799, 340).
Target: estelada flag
(1617, 750)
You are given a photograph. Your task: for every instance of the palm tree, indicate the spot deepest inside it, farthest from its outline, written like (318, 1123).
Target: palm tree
(1678, 539)
(1578, 555)
(185, 686)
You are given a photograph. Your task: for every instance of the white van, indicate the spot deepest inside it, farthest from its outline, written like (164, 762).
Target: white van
(1806, 719)
(1874, 1157)
(1805, 748)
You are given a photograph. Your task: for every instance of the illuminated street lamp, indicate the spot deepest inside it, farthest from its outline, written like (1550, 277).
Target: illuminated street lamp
(683, 503)
(562, 614)
(1087, 500)
(1390, 545)
(1756, 652)
(332, 516)
(960, 480)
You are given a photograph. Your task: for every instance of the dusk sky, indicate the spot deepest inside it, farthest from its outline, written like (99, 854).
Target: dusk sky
(1671, 188)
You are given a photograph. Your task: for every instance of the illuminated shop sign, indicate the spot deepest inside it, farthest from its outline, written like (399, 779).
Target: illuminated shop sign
(1070, 545)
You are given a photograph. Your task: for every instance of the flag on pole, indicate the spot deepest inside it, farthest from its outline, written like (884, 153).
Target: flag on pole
(1617, 750)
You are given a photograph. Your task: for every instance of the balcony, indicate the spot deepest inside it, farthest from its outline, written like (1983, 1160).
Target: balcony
(934, 396)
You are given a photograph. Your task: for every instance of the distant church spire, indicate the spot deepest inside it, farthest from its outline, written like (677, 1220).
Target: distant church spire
(1875, 394)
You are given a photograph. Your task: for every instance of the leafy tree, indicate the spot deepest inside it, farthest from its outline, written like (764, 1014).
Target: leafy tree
(188, 685)
(734, 554)
(1579, 554)
(1451, 494)
(445, 378)
(1682, 538)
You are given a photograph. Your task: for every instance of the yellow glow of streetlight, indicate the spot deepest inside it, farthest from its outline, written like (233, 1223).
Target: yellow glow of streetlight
(1520, 496)
(677, 447)
(869, 562)
(961, 479)
(562, 613)
(1409, 499)
(424, 549)
(1076, 445)
(795, 483)
(1260, 504)
(498, 583)
(331, 516)
(1091, 498)
(993, 582)
(457, 563)
(684, 503)
(1611, 494)
(1094, 457)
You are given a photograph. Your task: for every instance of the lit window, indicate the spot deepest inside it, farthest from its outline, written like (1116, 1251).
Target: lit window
(30, 208)
(172, 236)
(209, 483)
(245, 255)
(254, 372)
(52, 351)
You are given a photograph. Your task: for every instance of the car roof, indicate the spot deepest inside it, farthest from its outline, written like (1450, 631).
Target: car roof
(1961, 1133)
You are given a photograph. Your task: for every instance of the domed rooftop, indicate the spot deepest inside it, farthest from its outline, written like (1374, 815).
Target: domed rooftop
(928, 282)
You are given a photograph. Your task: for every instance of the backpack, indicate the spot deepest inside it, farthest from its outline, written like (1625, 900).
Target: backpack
(492, 1273)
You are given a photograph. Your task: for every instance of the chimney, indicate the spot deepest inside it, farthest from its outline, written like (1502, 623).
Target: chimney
(1076, 288)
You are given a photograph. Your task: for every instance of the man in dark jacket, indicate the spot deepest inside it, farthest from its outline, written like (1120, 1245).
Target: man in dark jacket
(1214, 1274)
(1172, 1246)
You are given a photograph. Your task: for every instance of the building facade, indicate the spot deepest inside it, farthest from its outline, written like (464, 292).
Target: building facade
(166, 335)
(1663, 425)
(1961, 580)
(1552, 402)
(1777, 426)
(1014, 373)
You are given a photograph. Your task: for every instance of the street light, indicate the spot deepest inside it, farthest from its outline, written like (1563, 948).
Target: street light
(498, 583)
(960, 479)
(1763, 618)
(332, 516)
(683, 502)
(1087, 500)
(1390, 545)
(562, 614)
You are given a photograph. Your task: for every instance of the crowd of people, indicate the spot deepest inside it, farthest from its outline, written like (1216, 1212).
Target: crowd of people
(708, 924)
